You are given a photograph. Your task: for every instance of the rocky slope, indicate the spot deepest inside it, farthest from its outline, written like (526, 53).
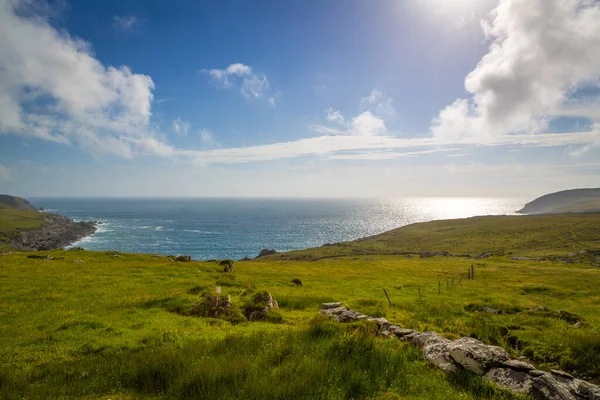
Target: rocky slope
(57, 231)
(576, 200)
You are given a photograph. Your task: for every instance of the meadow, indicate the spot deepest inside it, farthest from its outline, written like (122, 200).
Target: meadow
(110, 325)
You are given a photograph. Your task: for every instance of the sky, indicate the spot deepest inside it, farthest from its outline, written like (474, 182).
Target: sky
(338, 98)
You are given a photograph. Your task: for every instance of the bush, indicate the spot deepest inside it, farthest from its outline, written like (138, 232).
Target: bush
(297, 282)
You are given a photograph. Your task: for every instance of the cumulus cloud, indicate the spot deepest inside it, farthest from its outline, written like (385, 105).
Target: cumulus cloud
(52, 87)
(4, 173)
(540, 52)
(125, 22)
(379, 102)
(252, 84)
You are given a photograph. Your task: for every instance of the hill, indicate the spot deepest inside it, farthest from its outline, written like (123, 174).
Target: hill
(526, 236)
(575, 200)
(15, 202)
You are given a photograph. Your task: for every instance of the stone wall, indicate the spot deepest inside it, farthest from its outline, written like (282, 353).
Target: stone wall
(492, 362)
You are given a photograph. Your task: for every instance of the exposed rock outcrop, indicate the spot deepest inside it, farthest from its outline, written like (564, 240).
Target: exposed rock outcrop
(57, 231)
(492, 362)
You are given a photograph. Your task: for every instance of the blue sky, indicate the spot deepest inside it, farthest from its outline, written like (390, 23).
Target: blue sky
(301, 98)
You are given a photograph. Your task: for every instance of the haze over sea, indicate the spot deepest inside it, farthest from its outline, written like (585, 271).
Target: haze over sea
(233, 228)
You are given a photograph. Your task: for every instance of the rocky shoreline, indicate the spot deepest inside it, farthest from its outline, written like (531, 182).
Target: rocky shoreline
(57, 231)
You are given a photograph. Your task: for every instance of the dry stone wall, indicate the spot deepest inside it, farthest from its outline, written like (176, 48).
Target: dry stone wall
(492, 362)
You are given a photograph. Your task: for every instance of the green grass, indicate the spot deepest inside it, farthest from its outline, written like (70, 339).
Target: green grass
(531, 235)
(127, 327)
(12, 219)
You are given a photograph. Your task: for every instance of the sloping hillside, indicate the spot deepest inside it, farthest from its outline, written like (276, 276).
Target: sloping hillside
(15, 202)
(531, 235)
(576, 200)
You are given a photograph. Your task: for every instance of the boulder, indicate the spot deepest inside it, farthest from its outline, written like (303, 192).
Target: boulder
(437, 354)
(515, 381)
(518, 365)
(327, 306)
(424, 339)
(477, 356)
(333, 311)
(552, 387)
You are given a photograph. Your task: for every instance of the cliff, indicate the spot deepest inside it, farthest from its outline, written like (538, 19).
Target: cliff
(576, 200)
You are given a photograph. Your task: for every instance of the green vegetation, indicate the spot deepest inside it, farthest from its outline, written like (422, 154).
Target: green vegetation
(575, 200)
(536, 235)
(7, 201)
(117, 325)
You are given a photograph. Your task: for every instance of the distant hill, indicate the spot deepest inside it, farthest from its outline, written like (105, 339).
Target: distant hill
(575, 200)
(15, 202)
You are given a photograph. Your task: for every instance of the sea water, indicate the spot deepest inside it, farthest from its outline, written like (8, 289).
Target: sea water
(233, 228)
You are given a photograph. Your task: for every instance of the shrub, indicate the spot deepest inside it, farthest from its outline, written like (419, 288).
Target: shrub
(297, 282)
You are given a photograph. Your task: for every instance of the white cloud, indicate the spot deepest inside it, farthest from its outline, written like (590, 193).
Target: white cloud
(365, 124)
(52, 87)
(379, 102)
(252, 84)
(540, 51)
(181, 127)
(4, 173)
(330, 147)
(125, 22)
(334, 116)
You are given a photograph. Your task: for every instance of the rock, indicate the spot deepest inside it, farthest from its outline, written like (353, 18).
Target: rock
(577, 324)
(536, 372)
(350, 316)
(518, 365)
(327, 306)
(77, 261)
(246, 258)
(437, 354)
(183, 258)
(477, 356)
(487, 310)
(561, 374)
(483, 255)
(424, 339)
(587, 389)
(515, 381)
(552, 388)
(333, 311)
(401, 332)
(266, 252)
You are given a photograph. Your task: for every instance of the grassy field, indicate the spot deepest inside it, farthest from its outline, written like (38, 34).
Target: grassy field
(104, 325)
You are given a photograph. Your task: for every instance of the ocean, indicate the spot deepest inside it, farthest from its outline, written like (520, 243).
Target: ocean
(234, 228)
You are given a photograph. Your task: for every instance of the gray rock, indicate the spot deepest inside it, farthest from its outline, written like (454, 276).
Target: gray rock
(536, 372)
(266, 252)
(552, 387)
(514, 381)
(477, 356)
(587, 389)
(437, 354)
(518, 365)
(327, 306)
(334, 311)
(349, 316)
(424, 339)
(487, 310)
(561, 374)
